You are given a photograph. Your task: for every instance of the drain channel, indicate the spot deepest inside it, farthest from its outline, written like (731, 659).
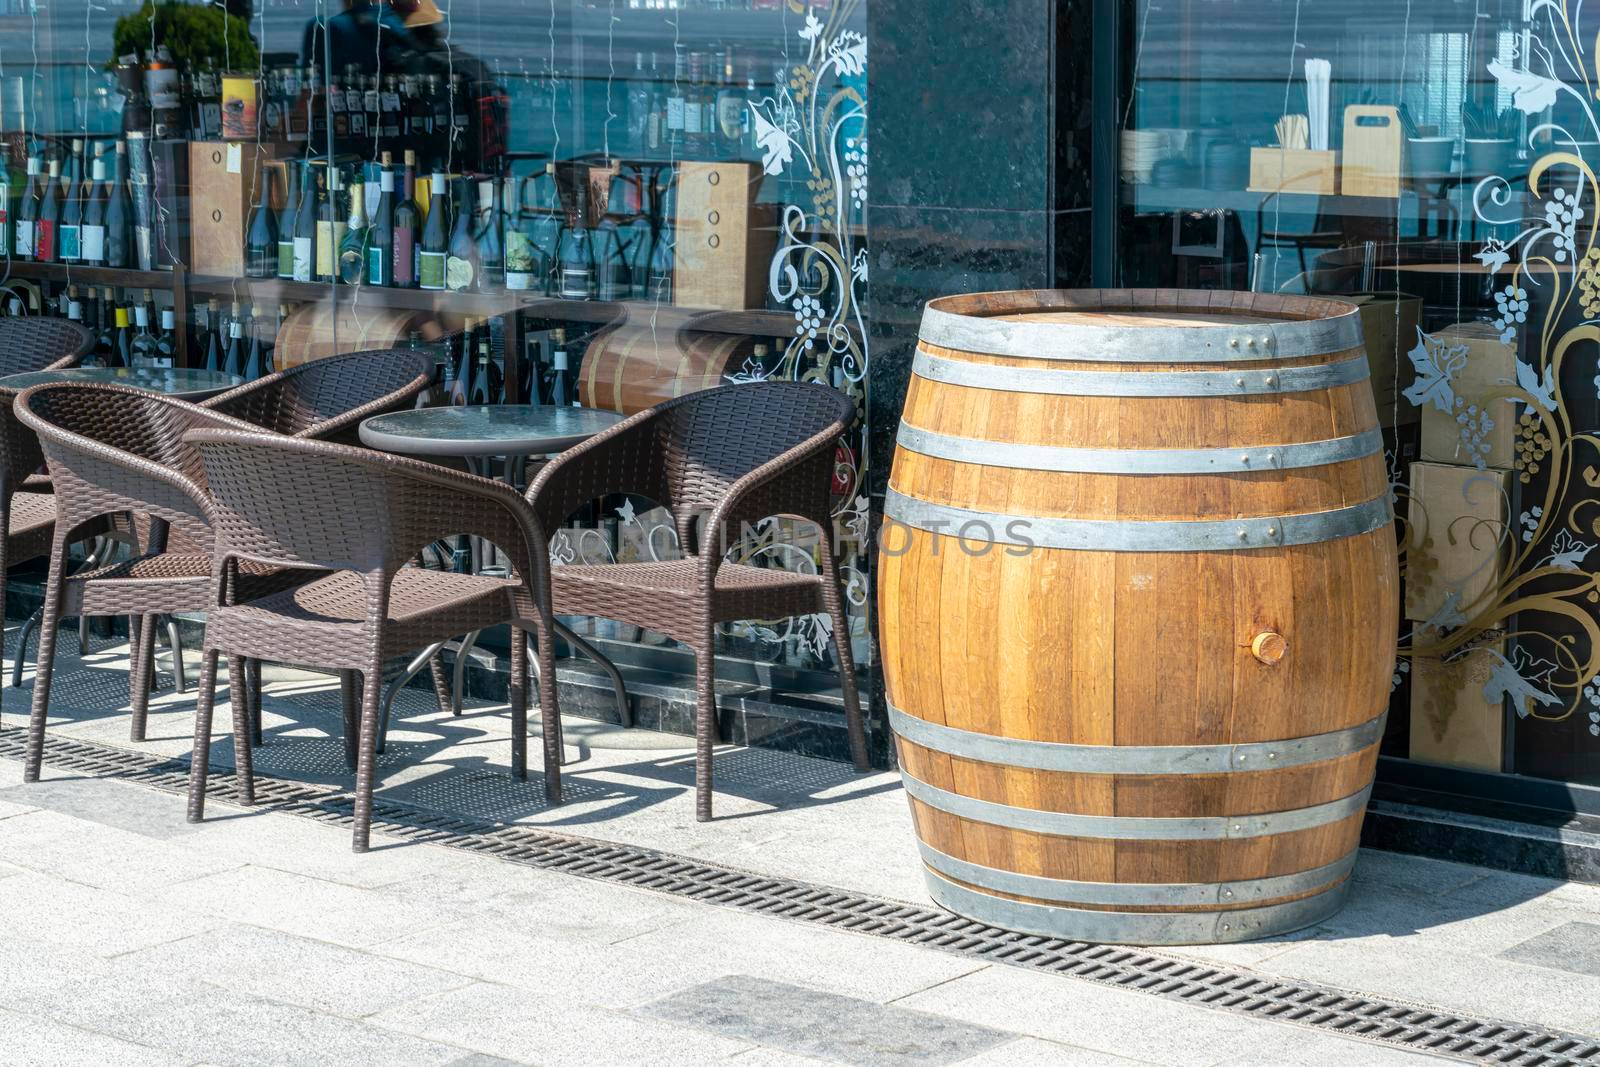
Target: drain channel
(1247, 994)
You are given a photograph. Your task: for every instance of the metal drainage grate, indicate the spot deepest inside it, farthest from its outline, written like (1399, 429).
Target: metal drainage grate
(1324, 1008)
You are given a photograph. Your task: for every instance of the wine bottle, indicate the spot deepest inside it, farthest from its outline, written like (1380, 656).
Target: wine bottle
(167, 341)
(639, 106)
(286, 219)
(27, 212)
(461, 268)
(380, 243)
(560, 374)
(92, 236)
(677, 104)
(121, 354)
(614, 279)
(577, 251)
(261, 240)
(327, 262)
(142, 348)
(521, 256)
(233, 361)
(730, 111)
(404, 223)
(353, 252)
(255, 364)
(119, 211)
(44, 230)
(69, 240)
(305, 229)
(74, 307)
(217, 339)
(485, 379)
(431, 260)
(545, 228)
(461, 387)
(491, 248)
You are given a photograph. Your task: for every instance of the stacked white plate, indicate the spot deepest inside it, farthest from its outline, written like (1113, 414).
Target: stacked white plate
(1141, 151)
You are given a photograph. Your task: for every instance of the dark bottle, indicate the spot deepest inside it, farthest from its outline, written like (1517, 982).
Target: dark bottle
(261, 240)
(460, 390)
(44, 231)
(28, 211)
(659, 286)
(638, 237)
(352, 264)
(380, 237)
(119, 212)
(677, 104)
(435, 241)
(305, 229)
(167, 340)
(613, 276)
(545, 228)
(577, 252)
(104, 323)
(730, 112)
(522, 258)
(122, 348)
(404, 223)
(92, 236)
(491, 248)
(639, 107)
(69, 241)
(560, 373)
(142, 348)
(217, 339)
(532, 391)
(256, 363)
(233, 361)
(461, 268)
(486, 376)
(696, 143)
(286, 219)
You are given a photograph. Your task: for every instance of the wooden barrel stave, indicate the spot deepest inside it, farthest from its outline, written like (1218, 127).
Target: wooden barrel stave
(1176, 626)
(630, 367)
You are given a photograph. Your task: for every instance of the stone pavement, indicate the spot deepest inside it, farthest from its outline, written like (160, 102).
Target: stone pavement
(129, 936)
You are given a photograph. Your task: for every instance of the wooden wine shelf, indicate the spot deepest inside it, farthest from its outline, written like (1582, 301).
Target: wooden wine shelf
(78, 274)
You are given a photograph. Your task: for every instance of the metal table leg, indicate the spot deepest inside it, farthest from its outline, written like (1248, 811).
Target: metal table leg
(413, 668)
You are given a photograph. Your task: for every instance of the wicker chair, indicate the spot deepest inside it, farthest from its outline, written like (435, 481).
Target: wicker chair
(114, 450)
(740, 453)
(326, 399)
(365, 516)
(27, 510)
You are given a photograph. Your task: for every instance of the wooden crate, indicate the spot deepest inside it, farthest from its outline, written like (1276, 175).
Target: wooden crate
(1456, 518)
(1490, 365)
(222, 190)
(725, 240)
(1389, 326)
(1293, 170)
(1373, 140)
(1451, 722)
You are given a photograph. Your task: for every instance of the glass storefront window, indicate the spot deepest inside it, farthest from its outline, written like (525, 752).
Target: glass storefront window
(595, 202)
(1431, 161)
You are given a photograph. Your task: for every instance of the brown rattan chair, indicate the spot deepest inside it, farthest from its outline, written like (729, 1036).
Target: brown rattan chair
(326, 399)
(111, 451)
(364, 515)
(740, 454)
(27, 510)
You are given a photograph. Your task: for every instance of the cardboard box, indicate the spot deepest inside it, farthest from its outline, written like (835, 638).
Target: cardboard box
(725, 240)
(1451, 722)
(1487, 367)
(1455, 520)
(222, 191)
(1293, 170)
(1389, 326)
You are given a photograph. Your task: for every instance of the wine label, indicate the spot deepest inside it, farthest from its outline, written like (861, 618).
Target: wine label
(44, 239)
(457, 273)
(93, 241)
(325, 249)
(693, 119)
(519, 280)
(404, 259)
(675, 113)
(574, 284)
(286, 257)
(71, 244)
(730, 116)
(380, 266)
(431, 270)
(24, 239)
(302, 259)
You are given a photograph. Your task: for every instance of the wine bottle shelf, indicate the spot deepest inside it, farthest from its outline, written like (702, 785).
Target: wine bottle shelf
(78, 274)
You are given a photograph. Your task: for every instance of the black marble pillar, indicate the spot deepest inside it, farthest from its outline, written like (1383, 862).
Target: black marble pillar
(979, 121)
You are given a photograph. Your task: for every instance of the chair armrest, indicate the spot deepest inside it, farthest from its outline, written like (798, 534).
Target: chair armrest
(337, 425)
(795, 482)
(621, 459)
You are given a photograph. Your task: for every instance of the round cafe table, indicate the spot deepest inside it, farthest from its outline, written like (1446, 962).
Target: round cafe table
(478, 434)
(183, 383)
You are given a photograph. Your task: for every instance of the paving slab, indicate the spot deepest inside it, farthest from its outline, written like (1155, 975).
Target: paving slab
(92, 853)
(504, 1021)
(31, 1040)
(46, 912)
(1572, 946)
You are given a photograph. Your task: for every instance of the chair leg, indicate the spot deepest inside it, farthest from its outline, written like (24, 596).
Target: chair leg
(200, 758)
(83, 635)
(55, 589)
(705, 721)
(549, 715)
(366, 754)
(22, 647)
(441, 682)
(3, 562)
(350, 696)
(833, 602)
(239, 704)
(140, 672)
(180, 677)
(518, 686)
(253, 675)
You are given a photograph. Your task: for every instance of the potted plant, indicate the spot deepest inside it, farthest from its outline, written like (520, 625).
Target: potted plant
(193, 35)
(1491, 139)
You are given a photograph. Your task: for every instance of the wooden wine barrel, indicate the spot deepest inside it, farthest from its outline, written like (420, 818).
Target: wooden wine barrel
(1138, 601)
(312, 331)
(633, 366)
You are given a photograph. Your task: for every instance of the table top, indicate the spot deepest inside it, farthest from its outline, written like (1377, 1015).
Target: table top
(485, 429)
(184, 383)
